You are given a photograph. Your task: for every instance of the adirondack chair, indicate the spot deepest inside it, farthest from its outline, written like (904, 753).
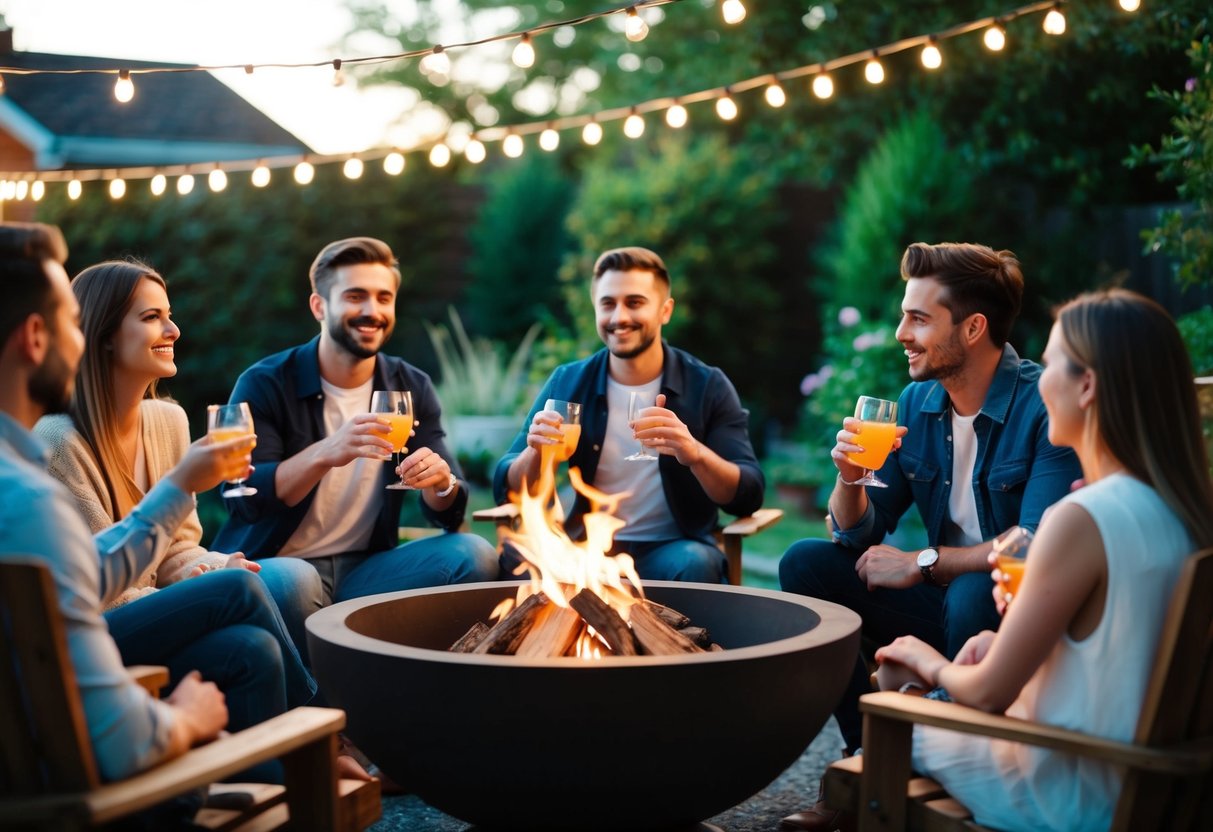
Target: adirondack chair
(1169, 763)
(48, 776)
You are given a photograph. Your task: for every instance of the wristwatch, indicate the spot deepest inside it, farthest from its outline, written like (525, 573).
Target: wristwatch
(927, 559)
(451, 485)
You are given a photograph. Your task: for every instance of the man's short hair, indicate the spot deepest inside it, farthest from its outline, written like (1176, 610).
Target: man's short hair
(975, 278)
(24, 283)
(349, 252)
(632, 258)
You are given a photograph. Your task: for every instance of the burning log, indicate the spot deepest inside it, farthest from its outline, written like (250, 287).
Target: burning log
(507, 634)
(670, 616)
(605, 621)
(468, 641)
(699, 635)
(657, 638)
(553, 634)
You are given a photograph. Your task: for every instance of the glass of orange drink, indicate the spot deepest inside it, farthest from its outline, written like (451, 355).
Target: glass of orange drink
(230, 421)
(395, 407)
(876, 434)
(570, 426)
(1011, 552)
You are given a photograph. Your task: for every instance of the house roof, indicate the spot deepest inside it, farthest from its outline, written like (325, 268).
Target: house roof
(174, 118)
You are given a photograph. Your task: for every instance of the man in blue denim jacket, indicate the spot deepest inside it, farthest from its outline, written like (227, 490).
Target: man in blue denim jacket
(971, 417)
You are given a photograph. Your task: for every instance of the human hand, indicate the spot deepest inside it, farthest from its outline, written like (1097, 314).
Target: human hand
(975, 649)
(236, 560)
(999, 591)
(207, 463)
(362, 437)
(200, 705)
(885, 566)
(545, 430)
(845, 444)
(424, 469)
(662, 431)
(916, 656)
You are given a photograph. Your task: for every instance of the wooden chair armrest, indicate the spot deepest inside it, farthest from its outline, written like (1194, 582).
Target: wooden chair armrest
(756, 522)
(504, 513)
(151, 677)
(1185, 758)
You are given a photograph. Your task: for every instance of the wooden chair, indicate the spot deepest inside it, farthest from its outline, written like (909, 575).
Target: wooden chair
(729, 538)
(48, 775)
(1169, 763)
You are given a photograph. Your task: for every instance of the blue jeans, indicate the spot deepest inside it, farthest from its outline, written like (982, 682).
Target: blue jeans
(944, 617)
(452, 558)
(224, 625)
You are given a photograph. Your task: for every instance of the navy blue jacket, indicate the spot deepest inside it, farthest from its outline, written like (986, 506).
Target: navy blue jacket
(701, 396)
(283, 391)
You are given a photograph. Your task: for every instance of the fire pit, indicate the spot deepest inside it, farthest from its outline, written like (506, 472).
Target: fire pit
(624, 743)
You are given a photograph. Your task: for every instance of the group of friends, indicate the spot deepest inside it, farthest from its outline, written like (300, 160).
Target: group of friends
(1099, 451)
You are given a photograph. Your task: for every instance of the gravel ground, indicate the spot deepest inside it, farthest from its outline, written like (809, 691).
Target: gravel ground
(792, 791)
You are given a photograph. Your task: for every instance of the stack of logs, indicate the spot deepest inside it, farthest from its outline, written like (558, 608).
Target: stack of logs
(537, 628)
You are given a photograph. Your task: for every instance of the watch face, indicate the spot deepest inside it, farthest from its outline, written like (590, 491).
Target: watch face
(927, 558)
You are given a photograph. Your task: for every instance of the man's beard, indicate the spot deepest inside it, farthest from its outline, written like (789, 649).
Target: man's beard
(636, 350)
(949, 361)
(346, 340)
(52, 384)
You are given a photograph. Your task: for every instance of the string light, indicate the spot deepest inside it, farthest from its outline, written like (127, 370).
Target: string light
(440, 155)
(873, 70)
(393, 163)
(124, 87)
(1130, 5)
(591, 134)
(634, 27)
(338, 75)
(726, 107)
(823, 86)
(775, 95)
(352, 168)
(117, 188)
(261, 176)
(513, 146)
(524, 53)
(676, 116)
(1055, 22)
(549, 139)
(159, 184)
(474, 151)
(633, 126)
(22, 189)
(438, 62)
(995, 37)
(931, 57)
(185, 184)
(37, 190)
(304, 173)
(733, 11)
(217, 180)
(74, 189)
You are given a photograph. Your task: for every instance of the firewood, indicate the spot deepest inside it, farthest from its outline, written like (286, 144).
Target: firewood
(553, 634)
(669, 615)
(605, 621)
(656, 638)
(468, 641)
(699, 635)
(507, 634)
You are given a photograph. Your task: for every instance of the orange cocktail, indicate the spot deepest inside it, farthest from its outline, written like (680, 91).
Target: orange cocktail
(1011, 568)
(572, 435)
(400, 424)
(876, 438)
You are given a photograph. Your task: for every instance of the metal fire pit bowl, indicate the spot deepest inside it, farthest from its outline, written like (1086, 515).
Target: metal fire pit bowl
(625, 743)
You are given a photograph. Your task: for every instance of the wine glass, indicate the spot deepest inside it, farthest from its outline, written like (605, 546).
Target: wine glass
(636, 403)
(1011, 552)
(230, 421)
(876, 434)
(570, 427)
(396, 406)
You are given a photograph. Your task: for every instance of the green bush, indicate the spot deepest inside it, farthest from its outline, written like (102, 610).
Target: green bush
(477, 379)
(1197, 331)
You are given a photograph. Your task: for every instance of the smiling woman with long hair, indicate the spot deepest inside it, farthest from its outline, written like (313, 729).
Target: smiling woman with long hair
(1086, 621)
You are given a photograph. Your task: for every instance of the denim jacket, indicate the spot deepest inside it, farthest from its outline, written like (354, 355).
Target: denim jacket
(1018, 473)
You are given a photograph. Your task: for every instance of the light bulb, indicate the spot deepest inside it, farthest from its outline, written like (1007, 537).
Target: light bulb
(591, 134)
(524, 53)
(1130, 5)
(873, 70)
(775, 95)
(22, 189)
(549, 139)
(159, 184)
(185, 183)
(74, 188)
(217, 180)
(726, 108)
(634, 27)
(261, 176)
(733, 11)
(352, 168)
(932, 58)
(474, 151)
(676, 116)
(438, 62)
(823, 86)
(124, 87)
(304, 173)
(633, 126)
(117, 188)
(393, 163)
(440, 155)
(37, 190)
(8, 190)
(512, 146)
(995, 38)
(1055, 22)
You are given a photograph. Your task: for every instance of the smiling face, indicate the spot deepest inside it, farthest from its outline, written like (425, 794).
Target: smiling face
(933, 344)
(630, 308)
(1066, 390)
(359, 313)
(143, 342)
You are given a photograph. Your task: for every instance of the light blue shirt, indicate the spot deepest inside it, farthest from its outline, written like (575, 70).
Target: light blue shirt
(129, 730)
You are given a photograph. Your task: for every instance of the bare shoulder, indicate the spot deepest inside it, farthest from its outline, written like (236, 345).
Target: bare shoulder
(1069, 535)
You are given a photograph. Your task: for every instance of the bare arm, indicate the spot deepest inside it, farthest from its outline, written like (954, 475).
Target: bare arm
(662, 431)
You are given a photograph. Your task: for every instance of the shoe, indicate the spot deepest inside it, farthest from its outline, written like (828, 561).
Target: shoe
(817, 818)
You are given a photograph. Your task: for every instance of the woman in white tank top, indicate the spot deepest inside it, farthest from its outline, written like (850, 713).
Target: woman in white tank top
(1076, 646)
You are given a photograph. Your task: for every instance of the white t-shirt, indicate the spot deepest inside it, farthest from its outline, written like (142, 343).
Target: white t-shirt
(343, 510)
(965, 529)
(646, 511)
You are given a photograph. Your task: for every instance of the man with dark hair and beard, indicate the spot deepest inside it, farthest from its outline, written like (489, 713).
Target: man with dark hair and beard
(695, 430)
(323, 460)
(973, 455)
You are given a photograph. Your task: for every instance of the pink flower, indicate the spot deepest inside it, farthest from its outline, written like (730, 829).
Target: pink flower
(867, 340)
(848, 316)
(814, 381)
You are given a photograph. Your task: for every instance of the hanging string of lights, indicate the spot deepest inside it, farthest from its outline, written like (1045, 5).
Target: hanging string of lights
(21, 185)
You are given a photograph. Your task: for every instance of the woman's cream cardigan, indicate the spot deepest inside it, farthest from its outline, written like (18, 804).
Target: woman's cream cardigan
(166, 435)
